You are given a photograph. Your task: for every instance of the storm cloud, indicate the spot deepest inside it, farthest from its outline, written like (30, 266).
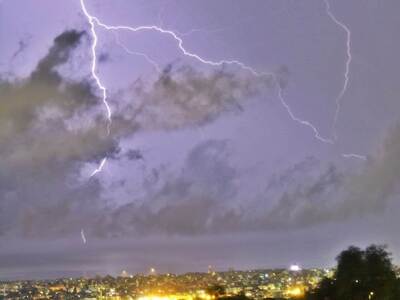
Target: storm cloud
(52, 125)
(197, 153)
(308, 194)
(41, 149)
(45, 143)
(183, 96)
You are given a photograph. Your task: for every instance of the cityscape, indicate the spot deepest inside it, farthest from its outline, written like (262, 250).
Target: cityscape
(254, 284)
(360, 274)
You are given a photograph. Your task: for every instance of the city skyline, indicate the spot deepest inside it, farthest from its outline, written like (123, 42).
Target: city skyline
(256, 284)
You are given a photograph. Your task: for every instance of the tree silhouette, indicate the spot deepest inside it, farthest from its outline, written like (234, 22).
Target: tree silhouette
(360, 275)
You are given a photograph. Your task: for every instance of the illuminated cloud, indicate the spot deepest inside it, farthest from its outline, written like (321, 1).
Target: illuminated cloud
(185, 97)
(42, 149)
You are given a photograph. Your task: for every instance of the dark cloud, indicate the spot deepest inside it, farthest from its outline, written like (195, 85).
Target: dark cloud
(376, 185)
(134, 154)
(23, 100)
(186, 204)
(201, 200)
(43, 148)
(46, 143)
(58, 54)
(103, 57)
(304, 197)
(22, 45)
(334, 195)
(183, 96)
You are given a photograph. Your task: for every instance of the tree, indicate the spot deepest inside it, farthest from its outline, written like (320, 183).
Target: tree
(349, 274)
(324, 291)
(360, 275)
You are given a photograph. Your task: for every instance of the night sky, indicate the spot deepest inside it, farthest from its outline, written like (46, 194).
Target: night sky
(286, 153)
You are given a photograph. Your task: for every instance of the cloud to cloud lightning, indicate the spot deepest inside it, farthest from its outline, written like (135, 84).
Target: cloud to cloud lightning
(95, 21)
(144, 55)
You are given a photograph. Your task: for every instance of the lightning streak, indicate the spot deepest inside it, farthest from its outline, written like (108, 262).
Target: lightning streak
(300, 121)
(100, 167)
(101, 87)
(83, 236)
(94, 66)
(354, 155)
(94, 21)
(347, 65)
(180, 44)
(145, 56)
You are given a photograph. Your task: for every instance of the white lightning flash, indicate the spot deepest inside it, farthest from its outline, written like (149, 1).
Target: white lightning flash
(302, 122)
(95, 21)
(83, 236)
(354, 155)
(101, 87)
(347, 65)
(100, 167)
(145, 56)
(94, 65)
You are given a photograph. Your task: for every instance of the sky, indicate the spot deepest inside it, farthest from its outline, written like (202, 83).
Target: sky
(237, 134)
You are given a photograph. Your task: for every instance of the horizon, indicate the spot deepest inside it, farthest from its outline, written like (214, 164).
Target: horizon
(149, 273)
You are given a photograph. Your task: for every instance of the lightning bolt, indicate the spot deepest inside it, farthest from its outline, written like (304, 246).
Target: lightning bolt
(300, 121)
(346, 77)
(83, 236)
(347, 65)
(94, 66)
(93, 21)
(145, 56)
(99, 168)
(96, 78)
(354, 155)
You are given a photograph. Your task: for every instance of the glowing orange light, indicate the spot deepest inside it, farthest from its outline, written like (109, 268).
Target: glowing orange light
(296, 292)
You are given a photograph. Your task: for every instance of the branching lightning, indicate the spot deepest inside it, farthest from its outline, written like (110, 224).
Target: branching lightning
(94, 21)
(180, 44)
(94, 66)
(101, 87)
(145, 56)
(346, 76)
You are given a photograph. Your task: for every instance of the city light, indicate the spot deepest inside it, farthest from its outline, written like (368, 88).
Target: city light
(169, 297)
(294, 268)
(255, 284)
(296, 292)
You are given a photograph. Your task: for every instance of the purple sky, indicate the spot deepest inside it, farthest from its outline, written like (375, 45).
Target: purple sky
(205, 165)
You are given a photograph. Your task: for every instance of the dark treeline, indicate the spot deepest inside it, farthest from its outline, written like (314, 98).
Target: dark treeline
(360, 275)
